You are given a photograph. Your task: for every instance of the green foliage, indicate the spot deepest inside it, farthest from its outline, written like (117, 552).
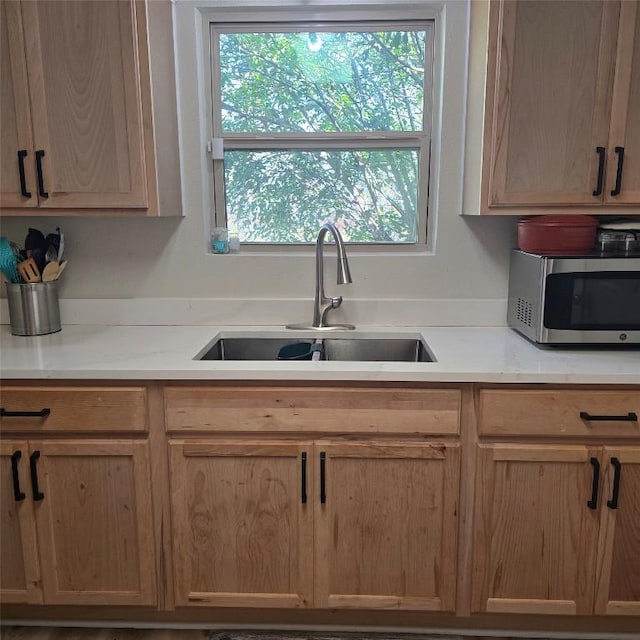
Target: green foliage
(338, 82)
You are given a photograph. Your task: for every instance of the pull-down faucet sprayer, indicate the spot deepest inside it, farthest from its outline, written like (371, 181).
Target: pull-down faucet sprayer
(322, 304)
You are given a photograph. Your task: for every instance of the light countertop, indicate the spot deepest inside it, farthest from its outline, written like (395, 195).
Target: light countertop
(462, 354)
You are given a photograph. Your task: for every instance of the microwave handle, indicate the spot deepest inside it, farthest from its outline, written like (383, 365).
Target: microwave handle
(589, 264)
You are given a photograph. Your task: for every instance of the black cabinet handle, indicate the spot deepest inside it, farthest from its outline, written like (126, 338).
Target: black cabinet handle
(17, 494)
(616, 190)
(22, 154)
(323, 477)
(593, 503)
(43, 413)
(630, 417)
(33, 462)
(41, 191)
(617, 471)
(303, 468)
(601, 151)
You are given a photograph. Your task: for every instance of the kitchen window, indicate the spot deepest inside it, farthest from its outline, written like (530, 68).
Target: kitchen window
(318, 121)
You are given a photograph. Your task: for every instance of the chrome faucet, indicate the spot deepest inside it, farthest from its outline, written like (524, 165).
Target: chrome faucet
(322, 304)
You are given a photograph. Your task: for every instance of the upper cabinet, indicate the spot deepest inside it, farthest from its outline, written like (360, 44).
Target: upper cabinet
(562, 111)
(624, 136)
(78, 134)
(17, 171)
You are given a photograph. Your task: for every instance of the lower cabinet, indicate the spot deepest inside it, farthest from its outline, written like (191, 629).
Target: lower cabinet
(618, 566)
(242, 524)
(315, 523)
(551, 536)
(386, 525)
(20, 572)
(93, 521)
(299, 517)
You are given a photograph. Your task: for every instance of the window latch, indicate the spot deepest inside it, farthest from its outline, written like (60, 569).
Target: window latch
(215, 147)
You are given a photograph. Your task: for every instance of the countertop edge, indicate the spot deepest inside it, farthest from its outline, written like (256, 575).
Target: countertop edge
(170, 353)
(310, 377)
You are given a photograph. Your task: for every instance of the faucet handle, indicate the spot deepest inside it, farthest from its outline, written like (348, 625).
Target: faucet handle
(336, 302)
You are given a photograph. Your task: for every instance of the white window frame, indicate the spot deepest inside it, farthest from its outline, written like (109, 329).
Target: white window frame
(330, 17)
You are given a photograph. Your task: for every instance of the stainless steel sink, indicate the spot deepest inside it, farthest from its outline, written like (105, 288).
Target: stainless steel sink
(377, 350)
(410, 348)
(229, 348)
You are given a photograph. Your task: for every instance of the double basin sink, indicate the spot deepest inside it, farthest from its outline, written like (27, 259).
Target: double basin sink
(346, 347)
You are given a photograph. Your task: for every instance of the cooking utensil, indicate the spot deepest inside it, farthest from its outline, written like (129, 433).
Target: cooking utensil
(35, 239)
(557, 234)
(50, 272)
(29, 271)
(60, 244)
(8, 261)
(39, 255)
(56, 240)
(61, 268)
(51, 255)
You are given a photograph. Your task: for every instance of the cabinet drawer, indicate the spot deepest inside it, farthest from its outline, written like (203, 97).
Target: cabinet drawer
(313, 409)
(82, 409)
(559, 413)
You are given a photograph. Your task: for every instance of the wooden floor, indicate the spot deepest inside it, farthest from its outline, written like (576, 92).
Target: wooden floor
(68, 633)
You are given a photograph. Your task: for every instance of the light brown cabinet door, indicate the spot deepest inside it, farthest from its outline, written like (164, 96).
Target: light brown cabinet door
(535, 533)
(19, 572)
(618, 578)
(16, 143)
(242, 525)
(94, 519)
(550, 85)
(623, 173)
(386, 525)
(84, 80)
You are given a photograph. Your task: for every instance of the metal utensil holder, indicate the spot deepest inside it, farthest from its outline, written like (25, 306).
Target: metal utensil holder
(34, 309)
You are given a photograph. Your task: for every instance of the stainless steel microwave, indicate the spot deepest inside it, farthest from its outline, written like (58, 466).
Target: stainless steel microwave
(575, 299)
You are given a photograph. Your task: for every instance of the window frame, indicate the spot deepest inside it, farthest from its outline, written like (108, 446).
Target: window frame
(328, 18)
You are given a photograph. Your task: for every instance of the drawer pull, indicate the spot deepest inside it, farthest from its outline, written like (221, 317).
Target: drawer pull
(617, 472)
(323, 477)
(33, 464)
(303, 469)
(593, 503)
(43, 413)
(630, 417)
(17, 494)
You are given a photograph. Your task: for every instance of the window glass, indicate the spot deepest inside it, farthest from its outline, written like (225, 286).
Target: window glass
(319, 123)
(371, 195)
(322, 82)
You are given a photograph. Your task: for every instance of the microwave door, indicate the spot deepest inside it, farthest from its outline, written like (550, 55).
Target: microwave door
(607, 303)
(592, 302)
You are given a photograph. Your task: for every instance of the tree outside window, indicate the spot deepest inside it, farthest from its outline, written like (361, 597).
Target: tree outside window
(322, 124)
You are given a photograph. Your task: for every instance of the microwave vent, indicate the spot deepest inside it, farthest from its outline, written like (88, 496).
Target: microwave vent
(524, 312)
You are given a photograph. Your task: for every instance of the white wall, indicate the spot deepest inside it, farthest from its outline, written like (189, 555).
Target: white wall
(166, 258)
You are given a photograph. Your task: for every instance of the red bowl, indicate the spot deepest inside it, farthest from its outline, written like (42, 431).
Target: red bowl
(557, 234)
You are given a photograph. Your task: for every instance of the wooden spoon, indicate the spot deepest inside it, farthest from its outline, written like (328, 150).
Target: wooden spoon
(50, 272)
(29, 271)
(61, 268)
